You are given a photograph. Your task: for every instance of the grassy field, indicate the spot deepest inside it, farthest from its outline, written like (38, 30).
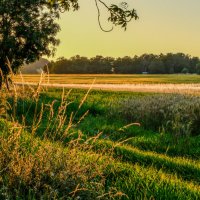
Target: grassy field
(112, 79)
(81, 144)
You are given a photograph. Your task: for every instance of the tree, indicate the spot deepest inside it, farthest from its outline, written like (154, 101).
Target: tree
(198, 68)
(156, 67)
(124, 65)
(28, 29)
(146, 59)
(185, 70)
(193, 63)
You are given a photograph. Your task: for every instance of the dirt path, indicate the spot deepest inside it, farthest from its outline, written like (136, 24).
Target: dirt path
(160, 88)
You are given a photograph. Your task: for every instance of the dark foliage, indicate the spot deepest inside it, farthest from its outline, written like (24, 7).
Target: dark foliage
(153, 64)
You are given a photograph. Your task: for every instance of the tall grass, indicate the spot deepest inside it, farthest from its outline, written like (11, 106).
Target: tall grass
(44, 153)
(47, 168)
(31, 168)
(175, 113)
(58, 166)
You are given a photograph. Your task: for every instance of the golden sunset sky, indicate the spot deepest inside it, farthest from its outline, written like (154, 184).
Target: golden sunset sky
(164, 26)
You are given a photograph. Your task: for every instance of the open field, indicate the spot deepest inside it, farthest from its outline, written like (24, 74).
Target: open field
(112, 79)
(100, 145)
(155, 88)
(133, 83)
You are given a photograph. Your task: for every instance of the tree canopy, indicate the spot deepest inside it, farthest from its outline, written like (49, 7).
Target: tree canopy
(28, 29)
(148, 63)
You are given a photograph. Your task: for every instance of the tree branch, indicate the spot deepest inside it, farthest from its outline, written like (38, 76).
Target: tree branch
(118, 15)
(99, 16)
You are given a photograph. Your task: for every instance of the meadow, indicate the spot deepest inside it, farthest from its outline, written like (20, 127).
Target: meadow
(113, 78)
(93, 144)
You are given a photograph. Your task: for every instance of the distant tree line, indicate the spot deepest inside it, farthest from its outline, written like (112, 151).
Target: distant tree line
(146, 63)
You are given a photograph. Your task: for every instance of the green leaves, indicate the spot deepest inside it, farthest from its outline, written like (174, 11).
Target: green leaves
(121, 16)
(64, 5)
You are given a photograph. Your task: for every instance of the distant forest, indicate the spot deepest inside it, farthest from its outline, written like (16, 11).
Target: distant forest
(147, 63)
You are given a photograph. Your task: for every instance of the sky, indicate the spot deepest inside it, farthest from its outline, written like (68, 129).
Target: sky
(164, 26)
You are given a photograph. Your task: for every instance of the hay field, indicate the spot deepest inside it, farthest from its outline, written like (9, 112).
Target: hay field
(112, 79)
(133, 83)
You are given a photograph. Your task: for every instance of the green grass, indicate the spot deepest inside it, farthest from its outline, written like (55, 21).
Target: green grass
(133, 180)
(186, 169)
(99, 119)
(124, 162)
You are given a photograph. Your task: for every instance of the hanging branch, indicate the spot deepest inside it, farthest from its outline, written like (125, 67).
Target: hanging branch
(119, 15)
(99, 16)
